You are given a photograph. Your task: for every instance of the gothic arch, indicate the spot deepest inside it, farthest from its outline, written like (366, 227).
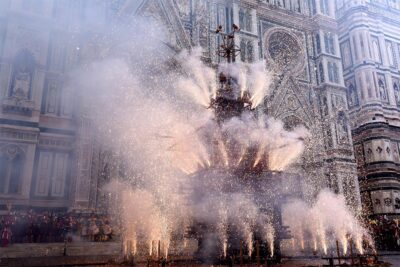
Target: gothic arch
(290, 100)
(167, 13)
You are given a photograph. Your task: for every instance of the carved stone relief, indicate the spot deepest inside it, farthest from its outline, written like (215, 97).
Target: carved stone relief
(379, 150)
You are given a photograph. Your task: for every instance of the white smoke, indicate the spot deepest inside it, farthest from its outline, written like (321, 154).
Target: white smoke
(151, 108)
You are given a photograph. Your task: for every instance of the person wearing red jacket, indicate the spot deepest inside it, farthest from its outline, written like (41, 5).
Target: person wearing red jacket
(6, 236)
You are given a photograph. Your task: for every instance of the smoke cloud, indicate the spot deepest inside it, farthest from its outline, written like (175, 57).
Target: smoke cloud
(152, 108)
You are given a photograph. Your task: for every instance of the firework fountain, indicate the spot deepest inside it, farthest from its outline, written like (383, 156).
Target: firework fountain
(204, 167)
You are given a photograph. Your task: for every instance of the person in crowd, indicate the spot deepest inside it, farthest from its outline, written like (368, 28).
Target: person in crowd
(6, 235)
(107, 231)
(54, 227)
(93, 230)
(386, 232)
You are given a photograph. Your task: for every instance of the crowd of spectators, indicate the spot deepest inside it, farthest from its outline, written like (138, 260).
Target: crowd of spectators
(45, 227)
(33, 227)
(386, 233)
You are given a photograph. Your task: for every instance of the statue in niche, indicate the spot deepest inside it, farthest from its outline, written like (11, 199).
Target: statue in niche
(342, 128)
(353, 99)
(21, 83)
(396, 93)
(382, 90)
(22, 75)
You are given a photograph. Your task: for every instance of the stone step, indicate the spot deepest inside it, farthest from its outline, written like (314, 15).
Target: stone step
(99, 260)
(31, 250)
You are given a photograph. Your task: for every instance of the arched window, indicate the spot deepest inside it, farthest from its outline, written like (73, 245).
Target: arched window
(321, 73)
(246, 51)
(249, 21)
(330, 71)
(243, 50)
(318, 43)
(22, 75)
(241, 18)
(329, 43)
(245, 20)
(335, 73)
(355, 47)
(52, 97)
(331, 39)
(11, 168)
(250, 51)
(3, 173)
(362, 45)
(15, 175)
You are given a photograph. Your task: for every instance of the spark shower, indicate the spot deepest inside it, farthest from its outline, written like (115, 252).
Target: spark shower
(153, 108)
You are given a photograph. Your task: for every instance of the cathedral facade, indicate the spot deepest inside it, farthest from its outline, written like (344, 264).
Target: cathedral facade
(46, 147)
(49, 156)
